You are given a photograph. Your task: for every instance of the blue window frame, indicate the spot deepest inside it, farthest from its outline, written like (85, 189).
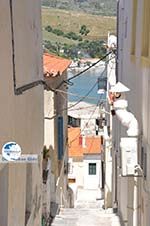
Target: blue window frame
(60, 138)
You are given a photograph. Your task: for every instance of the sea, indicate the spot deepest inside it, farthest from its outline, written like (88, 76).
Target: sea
(83, 84)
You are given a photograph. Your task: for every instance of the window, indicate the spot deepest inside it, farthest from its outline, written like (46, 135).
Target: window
(92, 168)
(133, 39)
(74, 122)
(146, 29)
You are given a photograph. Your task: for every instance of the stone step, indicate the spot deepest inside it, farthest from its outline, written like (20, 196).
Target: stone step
(86, 217)
(70, 212)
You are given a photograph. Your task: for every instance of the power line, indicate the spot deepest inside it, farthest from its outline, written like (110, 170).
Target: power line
(85, 124)
(59, 90)
(75, 94)
(65, 81)
(81, 99)
(78, 109)
(28, 86)
(73, 105)
(86, 69)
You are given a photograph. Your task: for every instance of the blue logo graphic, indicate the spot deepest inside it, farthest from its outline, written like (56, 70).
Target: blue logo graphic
(11, 151)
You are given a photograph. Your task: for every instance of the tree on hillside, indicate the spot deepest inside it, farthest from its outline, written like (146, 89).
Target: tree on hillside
(84, 30)
(48, 28)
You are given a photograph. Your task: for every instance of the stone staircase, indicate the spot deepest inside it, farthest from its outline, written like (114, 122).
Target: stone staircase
(87, 212)
(85, 217)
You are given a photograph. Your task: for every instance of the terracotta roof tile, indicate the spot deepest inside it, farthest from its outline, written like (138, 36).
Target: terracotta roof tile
(92, 144)
(53, 65)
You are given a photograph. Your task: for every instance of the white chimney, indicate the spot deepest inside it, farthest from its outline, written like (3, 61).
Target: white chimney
(83, 141)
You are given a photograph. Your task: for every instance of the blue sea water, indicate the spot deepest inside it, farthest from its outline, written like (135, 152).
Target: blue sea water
(83, 83)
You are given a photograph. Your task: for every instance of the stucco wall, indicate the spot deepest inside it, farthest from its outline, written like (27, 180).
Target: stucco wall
(56, 105)
(21, 116)
(135, 75)
(92, 181)
(79, 172)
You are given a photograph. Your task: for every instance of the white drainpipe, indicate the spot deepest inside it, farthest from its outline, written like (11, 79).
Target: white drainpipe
(128, 119)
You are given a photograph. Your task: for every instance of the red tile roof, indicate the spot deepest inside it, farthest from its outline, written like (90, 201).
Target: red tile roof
(92, 143)
(53, 65)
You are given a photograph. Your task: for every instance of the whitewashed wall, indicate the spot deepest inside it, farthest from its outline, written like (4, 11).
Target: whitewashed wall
(136, 76)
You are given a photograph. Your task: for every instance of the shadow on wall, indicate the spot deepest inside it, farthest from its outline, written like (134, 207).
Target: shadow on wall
(49, 176)
(45, 164)
(33, 194)
(56, 193)
(70, 197)
(108, 197)
(4, 197)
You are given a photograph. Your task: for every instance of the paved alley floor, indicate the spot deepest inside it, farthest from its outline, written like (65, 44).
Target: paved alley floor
(88, 211)
(89, 199)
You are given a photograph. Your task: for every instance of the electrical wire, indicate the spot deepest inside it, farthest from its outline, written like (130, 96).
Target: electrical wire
(75, 94)
(86, 69)
(102, 111)
(20, 90)
(65, 81)
(81, 99)
(73, 105)
(86, 95)
(89, 118)
(85, 124)
(80, 108)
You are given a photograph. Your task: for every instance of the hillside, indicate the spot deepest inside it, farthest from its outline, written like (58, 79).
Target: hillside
(75, 34)
(99, 7)
(67, 21)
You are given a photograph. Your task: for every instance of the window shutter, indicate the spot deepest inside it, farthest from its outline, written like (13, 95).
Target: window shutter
(60, 138)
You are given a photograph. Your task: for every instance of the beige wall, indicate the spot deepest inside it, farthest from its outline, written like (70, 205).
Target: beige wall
(21, 117)
(54, 105)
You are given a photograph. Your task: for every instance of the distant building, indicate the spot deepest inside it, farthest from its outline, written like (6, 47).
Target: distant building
(86, 116)
(84, 160)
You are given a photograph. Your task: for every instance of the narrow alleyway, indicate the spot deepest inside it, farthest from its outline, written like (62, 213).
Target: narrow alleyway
(88, 211)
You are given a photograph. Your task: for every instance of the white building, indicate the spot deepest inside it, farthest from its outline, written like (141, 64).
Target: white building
(86, 116)
(132, 192)
(84, 160)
